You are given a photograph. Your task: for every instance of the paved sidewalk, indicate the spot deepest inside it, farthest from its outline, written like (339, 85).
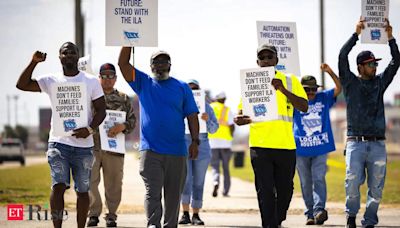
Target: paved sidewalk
(240, 209)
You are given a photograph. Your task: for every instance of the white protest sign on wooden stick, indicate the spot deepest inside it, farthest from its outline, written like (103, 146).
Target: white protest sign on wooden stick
(283, 36)
(258, 94)
(200, 99)
(374, 12)
(85, 64)
(132, 23)
(114, 144)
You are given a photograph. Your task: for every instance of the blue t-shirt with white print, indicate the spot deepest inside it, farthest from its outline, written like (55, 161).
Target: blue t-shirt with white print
(312, 130)
(164, 104)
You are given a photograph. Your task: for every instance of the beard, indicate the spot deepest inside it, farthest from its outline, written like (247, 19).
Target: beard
(161, 75)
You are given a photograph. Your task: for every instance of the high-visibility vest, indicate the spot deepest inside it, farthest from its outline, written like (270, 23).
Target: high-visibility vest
(221, 113)
(278, 134)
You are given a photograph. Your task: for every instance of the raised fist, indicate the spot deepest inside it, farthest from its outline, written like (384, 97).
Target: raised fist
(39, 57)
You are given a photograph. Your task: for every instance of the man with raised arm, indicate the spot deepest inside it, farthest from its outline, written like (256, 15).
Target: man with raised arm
(365, 147)
(73, 152)
(164, 103)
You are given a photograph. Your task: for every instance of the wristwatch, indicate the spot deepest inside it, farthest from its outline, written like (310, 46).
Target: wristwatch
(197, 141)
(90, 130)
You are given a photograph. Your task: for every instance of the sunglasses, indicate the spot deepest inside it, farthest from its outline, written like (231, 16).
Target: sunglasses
(310, 89)
(265, 57)
(372, 64)
(108, 76)
(160, 62)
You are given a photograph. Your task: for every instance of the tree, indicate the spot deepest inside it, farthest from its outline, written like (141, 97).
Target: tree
(22, 133)
(8, 132)
(19, 132)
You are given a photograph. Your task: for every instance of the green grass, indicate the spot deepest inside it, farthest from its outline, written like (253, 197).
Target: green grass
(26, 185)
(335, 179)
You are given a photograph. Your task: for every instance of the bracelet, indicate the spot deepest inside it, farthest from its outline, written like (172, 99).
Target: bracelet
(90, 130)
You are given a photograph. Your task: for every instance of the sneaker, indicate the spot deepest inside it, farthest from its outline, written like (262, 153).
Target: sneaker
(321, 217)
(310, 221)
(111, 222)
(93, 221)
(185, 219)
(369, 226)
(196, 220)
(351, 222)
(215, 191)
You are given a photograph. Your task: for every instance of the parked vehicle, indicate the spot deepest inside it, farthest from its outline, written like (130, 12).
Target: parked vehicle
(12, 150)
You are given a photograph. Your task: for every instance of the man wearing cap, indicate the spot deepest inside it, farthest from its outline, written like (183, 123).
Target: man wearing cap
(68, 153)
(365, 148)
(111, 163)
(221, 143)
(164, 103)
(196, 169)
(314, 140)
(272, 144)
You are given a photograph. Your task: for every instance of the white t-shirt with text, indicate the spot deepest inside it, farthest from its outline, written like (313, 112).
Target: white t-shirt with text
(94, 91)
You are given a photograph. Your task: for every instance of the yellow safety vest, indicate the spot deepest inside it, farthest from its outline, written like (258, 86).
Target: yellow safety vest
(222, 113)
(278, 134)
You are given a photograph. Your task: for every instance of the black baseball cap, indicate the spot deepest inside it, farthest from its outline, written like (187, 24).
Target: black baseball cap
(107, 67)
(267, 47)
(366, 57)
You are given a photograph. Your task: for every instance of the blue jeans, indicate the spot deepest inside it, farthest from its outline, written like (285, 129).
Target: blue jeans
(221, 155)
(312, 171)
(64, 158)
(194, 186)
(365, 159)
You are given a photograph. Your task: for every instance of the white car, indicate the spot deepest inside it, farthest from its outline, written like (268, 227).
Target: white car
(12, 150)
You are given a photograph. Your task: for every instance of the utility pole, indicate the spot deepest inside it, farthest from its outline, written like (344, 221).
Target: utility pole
(79, 28)
(16, 109)
(8, 110)
(321, 14)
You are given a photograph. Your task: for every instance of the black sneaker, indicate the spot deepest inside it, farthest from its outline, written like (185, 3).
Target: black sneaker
(93, 221)
(310, 221)
(215, 191)
(185, 219)
(321, 217)
(111, 222)
(197, 221)
(351, 222)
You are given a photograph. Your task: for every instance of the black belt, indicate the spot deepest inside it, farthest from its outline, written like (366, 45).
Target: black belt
(365, 138)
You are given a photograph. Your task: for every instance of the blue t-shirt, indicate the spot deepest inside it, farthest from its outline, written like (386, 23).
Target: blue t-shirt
(164, 105)
(312, 130)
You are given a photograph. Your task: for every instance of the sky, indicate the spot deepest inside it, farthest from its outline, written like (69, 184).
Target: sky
(208, 40)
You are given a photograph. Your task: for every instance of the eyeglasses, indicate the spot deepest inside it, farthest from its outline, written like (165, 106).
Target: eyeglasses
(265, 57)
(160, 62)
(108, 76)
(372, 64)
(310, 89)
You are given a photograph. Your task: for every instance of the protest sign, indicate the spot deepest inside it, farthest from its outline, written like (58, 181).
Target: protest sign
(85, 64)
(258, 94)
(200, 99)
(114, 144)
(132, 23)
(283, 36)
(374, 13)
(69, 107)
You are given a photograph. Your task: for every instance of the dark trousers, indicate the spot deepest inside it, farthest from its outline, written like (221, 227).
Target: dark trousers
(274, 171)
